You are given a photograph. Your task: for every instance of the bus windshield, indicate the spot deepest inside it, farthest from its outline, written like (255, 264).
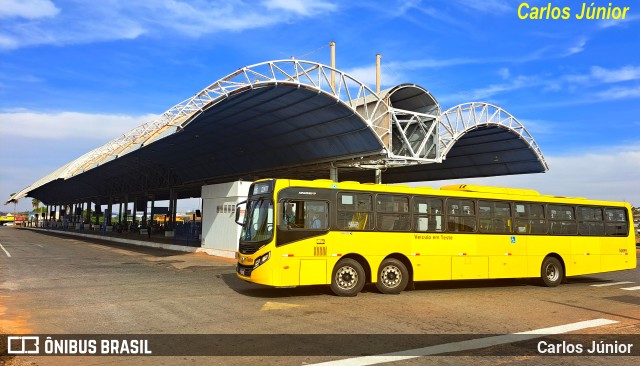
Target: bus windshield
(258, 222)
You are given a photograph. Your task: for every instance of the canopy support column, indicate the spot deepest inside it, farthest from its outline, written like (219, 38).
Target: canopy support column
(333, 173)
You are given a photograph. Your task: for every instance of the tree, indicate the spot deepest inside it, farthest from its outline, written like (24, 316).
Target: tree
(35, 203)
(15, 203)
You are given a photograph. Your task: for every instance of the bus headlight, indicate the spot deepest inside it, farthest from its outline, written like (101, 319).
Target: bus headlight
(261, 259)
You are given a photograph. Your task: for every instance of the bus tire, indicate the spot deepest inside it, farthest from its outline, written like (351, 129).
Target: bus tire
(348, 278)
(393, 276)
(552, 272)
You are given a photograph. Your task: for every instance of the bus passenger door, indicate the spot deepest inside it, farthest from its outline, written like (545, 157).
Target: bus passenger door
(467, 261)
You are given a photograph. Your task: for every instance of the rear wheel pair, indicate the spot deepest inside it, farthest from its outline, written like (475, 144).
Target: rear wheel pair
(348, 277)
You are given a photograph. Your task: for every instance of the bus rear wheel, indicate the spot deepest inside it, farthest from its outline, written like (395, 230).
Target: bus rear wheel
(552, 272)
(392, 276)
(348, 278)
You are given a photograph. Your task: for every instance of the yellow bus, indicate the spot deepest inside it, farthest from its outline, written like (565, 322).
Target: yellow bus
(346, 234)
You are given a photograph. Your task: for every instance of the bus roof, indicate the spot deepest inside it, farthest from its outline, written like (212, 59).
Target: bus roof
(492, 190)
(460, 190)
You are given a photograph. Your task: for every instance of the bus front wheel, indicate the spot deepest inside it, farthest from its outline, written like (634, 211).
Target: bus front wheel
(392, 276)
(348, 278)
(552, 272)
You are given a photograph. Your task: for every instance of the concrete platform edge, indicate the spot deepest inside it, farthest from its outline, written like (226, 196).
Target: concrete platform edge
(179, 248)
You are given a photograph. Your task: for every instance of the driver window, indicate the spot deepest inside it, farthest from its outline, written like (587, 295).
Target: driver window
(310, 215)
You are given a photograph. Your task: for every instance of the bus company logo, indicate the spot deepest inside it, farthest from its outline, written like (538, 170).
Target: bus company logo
(23, 345)
(308, 193)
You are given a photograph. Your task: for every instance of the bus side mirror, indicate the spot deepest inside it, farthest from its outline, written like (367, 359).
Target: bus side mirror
(240, 212)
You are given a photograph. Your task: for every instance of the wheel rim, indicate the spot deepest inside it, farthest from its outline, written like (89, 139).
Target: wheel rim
(391, 276)
(552, 272)
(346, 277)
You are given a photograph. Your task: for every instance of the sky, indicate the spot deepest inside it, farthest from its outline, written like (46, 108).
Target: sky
(76, 74)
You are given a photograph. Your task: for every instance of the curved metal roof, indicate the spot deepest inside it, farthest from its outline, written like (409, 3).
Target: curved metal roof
(288, 119)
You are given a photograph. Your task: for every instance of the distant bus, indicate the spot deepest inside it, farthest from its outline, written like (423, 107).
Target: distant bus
(346, 234)
(7, 220)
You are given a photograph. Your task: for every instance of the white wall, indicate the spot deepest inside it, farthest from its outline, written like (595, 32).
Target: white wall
(219, 229)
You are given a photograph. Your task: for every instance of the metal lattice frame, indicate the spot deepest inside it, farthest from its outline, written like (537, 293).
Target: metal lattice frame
(458, 120)
(408, 137)
(415, 136)
(346, 89)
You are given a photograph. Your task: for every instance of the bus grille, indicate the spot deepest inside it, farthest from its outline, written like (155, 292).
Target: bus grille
(248, 249)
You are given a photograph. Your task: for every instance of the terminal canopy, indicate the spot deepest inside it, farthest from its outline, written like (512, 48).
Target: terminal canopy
(296, 119)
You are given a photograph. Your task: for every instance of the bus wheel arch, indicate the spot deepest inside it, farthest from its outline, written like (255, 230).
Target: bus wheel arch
(394, 274)
(552, 270)
(349, 275)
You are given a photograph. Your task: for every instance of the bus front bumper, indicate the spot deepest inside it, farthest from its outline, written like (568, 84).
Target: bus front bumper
(261, 275)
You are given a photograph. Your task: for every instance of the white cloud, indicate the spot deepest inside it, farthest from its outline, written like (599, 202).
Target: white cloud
(619, 93)
(301, 7)
(7, 42)
(504, 73)
(487, 92)
(486, 6)
(577, 47)
(597, 75)
(619, 22)
(29, 9)
(604, 173)
(538, 127)
(395, 72)
(625, 73)
(68, 125)
(87, 22)
(367, 75)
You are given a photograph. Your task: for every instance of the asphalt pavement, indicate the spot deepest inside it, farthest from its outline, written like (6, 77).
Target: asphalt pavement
(60, 285)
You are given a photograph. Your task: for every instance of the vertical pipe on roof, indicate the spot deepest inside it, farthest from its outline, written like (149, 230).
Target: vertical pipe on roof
(378, 58)
(333, 65)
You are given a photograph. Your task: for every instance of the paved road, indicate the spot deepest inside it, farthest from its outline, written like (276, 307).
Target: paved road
(60, 285)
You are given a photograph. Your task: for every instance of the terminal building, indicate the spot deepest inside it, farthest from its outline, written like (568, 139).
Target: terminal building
(281, 119)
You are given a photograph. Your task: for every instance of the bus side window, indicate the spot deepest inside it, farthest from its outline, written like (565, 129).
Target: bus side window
(590, 221)
(494, 217)
(392, 213)
(616, 221)
(529, 218)
(427, 213)
(462, 215)
(354, 211)
(562, 220)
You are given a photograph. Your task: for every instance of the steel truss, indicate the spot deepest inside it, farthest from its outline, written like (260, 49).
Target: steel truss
(458, 120)
(406, 137)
